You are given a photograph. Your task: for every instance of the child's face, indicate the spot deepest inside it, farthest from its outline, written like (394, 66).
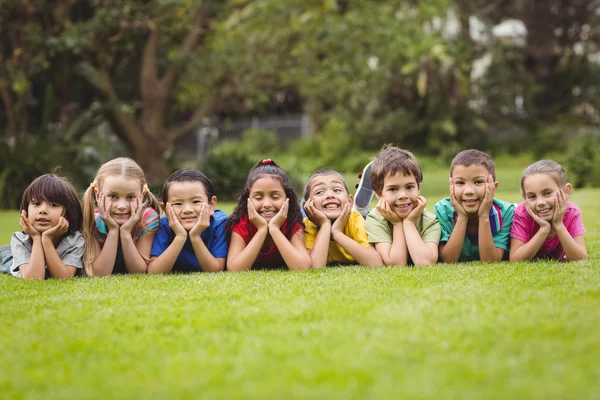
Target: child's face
(44, 214)
(540, 192)
(329, 195)
(123, 193)
(267, 196)
(470, 186)
(400, 192)
(187, 200)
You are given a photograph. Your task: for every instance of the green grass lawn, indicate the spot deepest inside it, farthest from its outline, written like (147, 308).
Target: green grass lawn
(469, 331)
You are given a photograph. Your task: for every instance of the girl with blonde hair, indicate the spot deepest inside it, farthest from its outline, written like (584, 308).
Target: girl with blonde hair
(120, 220)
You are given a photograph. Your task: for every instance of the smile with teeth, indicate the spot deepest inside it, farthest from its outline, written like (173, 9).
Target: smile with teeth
(186, 219)
(544, 211)
(403, 206)
(269, 213)
(331, 206)
(470, 202)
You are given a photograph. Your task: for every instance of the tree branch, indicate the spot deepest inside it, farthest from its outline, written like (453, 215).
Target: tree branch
(191, 124)
(149, 72)
(197, 31)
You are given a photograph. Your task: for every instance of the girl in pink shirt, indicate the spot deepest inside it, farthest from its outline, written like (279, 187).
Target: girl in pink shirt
(546, 225)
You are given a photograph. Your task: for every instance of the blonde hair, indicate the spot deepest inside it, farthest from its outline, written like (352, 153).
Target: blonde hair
(549, 167)
(121, 166)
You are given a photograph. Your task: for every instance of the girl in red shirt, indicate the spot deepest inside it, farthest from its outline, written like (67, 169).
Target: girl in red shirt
(266, 228)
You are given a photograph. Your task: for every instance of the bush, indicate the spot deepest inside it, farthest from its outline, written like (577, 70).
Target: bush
(583, 159)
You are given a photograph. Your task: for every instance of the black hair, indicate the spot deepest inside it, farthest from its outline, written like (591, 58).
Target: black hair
(58, 190)
(261, 169)
(188, 175)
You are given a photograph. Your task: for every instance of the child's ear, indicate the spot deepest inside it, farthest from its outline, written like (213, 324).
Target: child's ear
(351, 199)
(163, 206)
(213, 204)
(496, 185)
(568, 189)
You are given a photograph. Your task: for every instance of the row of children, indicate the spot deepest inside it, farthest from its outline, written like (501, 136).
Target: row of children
(123, 232)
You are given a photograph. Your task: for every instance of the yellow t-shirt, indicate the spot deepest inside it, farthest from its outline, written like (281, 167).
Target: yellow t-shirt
(354, 229)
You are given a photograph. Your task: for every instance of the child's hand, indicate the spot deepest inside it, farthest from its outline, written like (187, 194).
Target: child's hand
(416, 212)
(104, 206)
(315, 216)
(342, 220)
(56, 232)
(560, 207)
(254, 217)
(28, 229)
(203, 221)
(386, 212)
(136, 209)
(279, 219)
(541, 222)
(486, 203)
(460, 210)
(174, 223)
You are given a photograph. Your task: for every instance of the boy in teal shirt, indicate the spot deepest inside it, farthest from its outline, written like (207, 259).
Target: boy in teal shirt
(475, 225)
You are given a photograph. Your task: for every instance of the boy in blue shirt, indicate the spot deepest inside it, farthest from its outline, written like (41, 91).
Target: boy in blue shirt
(475, 225)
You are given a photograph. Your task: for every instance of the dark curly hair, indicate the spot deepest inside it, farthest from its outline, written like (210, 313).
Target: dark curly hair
(261, 169)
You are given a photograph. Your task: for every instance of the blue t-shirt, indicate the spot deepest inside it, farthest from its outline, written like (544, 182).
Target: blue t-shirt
(214, 237)
(501, 216)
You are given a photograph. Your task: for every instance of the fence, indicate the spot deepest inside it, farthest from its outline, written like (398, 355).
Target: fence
(194, 145)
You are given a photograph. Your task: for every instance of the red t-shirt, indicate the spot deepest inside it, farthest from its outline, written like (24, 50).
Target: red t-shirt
(271, 258)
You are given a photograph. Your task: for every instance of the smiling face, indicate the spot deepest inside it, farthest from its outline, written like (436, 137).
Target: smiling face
(400, 191)
(470, 185)
(187, 200)
(267, 196)
(540, 192)
(329, 195)
(44, 214)
(123, 193)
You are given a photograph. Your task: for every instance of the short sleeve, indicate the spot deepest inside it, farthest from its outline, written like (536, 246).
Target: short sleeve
(377, 228)
(446, 222)
(163, 238)
(357, 229)
(241, 228)
(574, 222)
(502, 237)
(150, 221)
(520, 224)
(20, 251)
(218, 245)
(310, 233)
(431, 228)
(73, 253)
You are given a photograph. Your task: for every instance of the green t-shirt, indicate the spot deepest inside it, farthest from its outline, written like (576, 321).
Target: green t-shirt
(380, 230)
(501, 216)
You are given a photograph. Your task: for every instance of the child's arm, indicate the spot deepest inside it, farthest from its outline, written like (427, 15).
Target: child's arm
(450, 251)
(525, 251)
(363, 255)
(134, 253)
(56, 267)
(395, 253)
(420, 252)
(207, 262)
(574, 247)
(241, 256)
(104, 263)
(164, 263)
(293, 252)
(36, 268)
(320, 249)
(488, 251)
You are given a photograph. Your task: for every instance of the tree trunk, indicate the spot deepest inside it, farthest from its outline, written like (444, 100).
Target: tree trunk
(150, 156)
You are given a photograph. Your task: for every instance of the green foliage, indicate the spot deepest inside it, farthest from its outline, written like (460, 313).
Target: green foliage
(227, 168)
(583, 159)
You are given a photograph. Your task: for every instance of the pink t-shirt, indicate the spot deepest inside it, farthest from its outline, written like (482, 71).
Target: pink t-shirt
(524, 228)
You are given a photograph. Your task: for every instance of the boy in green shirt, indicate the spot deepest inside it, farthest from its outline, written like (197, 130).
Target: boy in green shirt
(475, 226)
(402, 231)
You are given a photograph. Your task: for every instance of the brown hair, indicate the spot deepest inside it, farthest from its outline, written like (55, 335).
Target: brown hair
(389, 161)
(322, 172)
(121, 166)
(58, 190)
(474, 157)
(548, 167)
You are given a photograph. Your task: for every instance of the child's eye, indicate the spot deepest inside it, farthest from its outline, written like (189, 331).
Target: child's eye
(54, 205)
(198, 201)
(131, 198)
(318, 192)
(479, 182)
(410, 187)
(337, 190)
(176, 204)
(459, 183)
(112, 196)
(548, 193)
(530, 197)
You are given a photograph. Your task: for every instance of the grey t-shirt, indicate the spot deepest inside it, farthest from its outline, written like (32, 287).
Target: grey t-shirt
(70, 251)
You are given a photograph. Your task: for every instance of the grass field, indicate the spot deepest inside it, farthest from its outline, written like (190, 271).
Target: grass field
(468, 331)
